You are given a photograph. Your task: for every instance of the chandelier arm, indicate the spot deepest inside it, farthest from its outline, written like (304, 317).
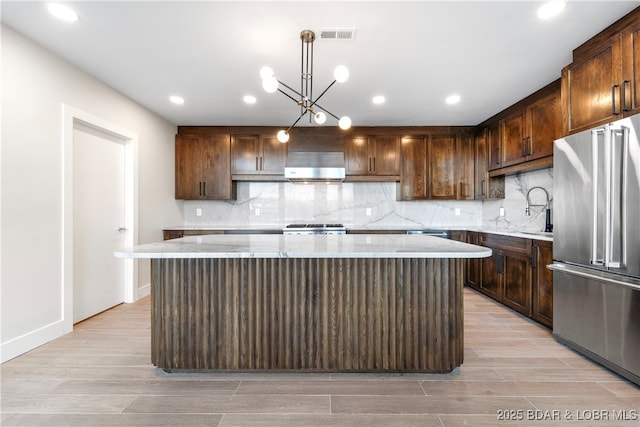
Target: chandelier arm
(322, 94)
(290, 88)
(287, 95)
(327, 111)
(296, 122)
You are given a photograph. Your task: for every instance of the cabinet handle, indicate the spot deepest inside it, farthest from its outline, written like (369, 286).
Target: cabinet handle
(374, 164)
(624, 95)
(614, 110)
(483, 191)
(204, 188)
(200, 188)
(529, 146)
(534, 251)
(257, 167)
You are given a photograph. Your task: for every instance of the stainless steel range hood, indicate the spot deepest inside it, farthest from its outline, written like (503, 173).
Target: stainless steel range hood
(306, 166)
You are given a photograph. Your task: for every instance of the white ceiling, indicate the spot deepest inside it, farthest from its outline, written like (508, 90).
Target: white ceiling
(414, 53)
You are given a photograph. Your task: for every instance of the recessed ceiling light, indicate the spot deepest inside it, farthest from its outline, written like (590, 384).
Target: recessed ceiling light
(178, 100)
(63, 12)
(551, 9)
(249, 99)
(452, 99)
(378, 99)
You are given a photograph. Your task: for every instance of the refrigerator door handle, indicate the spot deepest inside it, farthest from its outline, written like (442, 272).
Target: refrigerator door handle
(611, 238)
(594, 196)
(609, 170)
(625, 190)
(582, 272)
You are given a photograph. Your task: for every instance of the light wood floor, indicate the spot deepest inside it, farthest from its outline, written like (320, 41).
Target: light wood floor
(100, 375)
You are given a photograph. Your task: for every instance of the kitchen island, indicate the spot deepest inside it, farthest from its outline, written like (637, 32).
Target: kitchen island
(380, 302)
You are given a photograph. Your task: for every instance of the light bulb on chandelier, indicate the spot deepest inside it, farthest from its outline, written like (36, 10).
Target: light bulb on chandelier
(282, 136)
(320, 117)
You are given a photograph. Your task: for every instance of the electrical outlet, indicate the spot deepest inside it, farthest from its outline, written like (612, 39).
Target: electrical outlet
(501, 211)
(368, 211)
(198, 212)
(456, 212)
(257, 211)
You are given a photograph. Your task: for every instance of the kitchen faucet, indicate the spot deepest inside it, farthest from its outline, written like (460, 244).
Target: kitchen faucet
(548, 227)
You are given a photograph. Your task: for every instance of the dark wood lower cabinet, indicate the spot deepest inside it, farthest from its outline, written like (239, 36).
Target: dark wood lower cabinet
(516, 278)
(542, 283)
(515, 275)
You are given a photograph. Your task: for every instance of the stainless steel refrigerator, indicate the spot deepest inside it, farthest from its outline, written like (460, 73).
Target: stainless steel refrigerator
(596, 245)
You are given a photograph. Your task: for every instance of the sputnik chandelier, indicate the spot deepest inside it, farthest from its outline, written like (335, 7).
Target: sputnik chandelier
(304, 97)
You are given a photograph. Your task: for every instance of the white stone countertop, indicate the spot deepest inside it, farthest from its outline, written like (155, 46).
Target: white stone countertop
(306, 246)
(522, 233)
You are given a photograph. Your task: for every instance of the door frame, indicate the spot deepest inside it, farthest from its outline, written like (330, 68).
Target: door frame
(71, 116)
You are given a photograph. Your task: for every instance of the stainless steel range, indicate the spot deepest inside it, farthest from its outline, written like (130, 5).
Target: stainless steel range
(314, 229)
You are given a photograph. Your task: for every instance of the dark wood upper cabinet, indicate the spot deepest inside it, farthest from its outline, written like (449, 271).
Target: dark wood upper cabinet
(486, 187)
(413, 169)
(511, 137)
(590, 87)
(601, 84)
(543, 124)
(257, 155)
(441, 152)
(373, 156)
(440, 166)
(203, 168)
(465, 167)
(526, 131)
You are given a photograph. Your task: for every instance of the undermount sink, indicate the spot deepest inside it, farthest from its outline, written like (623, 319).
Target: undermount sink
(537, 233)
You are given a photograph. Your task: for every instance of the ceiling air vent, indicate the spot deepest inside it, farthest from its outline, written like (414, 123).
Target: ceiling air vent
(348, 33)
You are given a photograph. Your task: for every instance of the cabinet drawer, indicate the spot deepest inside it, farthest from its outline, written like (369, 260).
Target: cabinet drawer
(508, 243)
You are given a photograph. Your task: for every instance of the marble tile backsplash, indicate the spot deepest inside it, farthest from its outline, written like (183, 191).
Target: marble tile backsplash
(280, 203)
(514, 203)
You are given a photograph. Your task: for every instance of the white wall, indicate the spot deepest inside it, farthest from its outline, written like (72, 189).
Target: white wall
(35, 84)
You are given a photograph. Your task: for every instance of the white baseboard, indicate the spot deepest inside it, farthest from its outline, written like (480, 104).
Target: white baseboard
(145, 290)
(27, 342)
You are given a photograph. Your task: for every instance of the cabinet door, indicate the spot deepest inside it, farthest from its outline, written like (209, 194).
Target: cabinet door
(631, 70)
(216, 177)
(493, 146)
(246, 154)
(474, 265)
(542, 283)
(442, 167)
(491, 279)
(481, 157)
(512, 139)
(274, 156)
(544, 125)
(188, 167)
(413, 168)
(465, 167)
(385, 155)
(592, 87)
(517, 282)
(357, 159)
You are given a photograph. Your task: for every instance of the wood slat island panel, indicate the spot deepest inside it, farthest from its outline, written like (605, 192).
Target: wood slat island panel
(315, 314)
